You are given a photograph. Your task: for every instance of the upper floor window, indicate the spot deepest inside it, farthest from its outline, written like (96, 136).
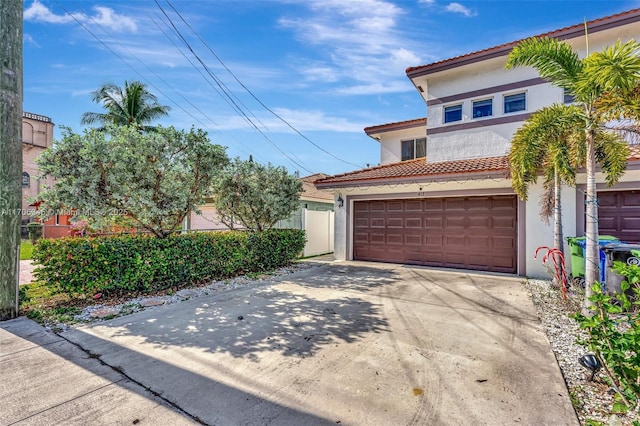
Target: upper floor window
(483, 108)
(568, 97)
(515, 103)
(453, 113)
(414, 148)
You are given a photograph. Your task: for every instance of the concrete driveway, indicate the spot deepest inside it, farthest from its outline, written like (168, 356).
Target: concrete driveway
(343, 343)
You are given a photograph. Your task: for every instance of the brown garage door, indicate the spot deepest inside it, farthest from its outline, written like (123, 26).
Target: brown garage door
(462, 232)
(619, 215)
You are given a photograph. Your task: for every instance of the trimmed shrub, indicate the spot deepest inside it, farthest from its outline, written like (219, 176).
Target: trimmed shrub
(143, 263)
(275, 247)
(34, 230)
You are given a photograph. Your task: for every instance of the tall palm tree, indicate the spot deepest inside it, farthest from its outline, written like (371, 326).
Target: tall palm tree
(133, 105)
(550, 143)
(603, 84)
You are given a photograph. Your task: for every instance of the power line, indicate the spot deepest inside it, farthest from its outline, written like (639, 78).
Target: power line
(253, 95)
(227, 95)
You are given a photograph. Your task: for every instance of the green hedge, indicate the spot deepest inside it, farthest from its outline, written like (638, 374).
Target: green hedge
(144, 263)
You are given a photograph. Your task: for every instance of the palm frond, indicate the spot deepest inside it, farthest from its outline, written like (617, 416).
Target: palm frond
(555, 60)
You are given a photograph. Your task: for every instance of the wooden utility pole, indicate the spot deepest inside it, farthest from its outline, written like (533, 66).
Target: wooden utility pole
(10, 153)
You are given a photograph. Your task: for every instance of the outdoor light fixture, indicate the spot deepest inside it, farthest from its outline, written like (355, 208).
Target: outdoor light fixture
(590, 362)
(340, 201)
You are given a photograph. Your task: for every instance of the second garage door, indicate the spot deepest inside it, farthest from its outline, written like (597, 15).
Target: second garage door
(619, 215)
(461, 232)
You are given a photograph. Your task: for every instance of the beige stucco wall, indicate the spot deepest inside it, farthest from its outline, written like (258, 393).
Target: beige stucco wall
(390, 146)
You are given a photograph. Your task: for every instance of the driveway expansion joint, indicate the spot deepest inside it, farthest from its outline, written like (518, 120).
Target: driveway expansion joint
(121, 372)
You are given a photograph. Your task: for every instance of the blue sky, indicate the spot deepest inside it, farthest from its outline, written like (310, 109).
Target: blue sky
(310, 75)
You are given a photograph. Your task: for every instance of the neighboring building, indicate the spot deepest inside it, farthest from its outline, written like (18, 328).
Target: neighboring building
(314, 215)
(37, 135)
(457, 208)
(311, 199)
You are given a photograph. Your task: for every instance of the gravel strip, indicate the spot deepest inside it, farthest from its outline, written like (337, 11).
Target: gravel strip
(592, 400)
(101, 312)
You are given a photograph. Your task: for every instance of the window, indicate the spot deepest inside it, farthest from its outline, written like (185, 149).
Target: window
(483, 108)
(568, 97)
(452, 113)
(515, 103)
(414, 148)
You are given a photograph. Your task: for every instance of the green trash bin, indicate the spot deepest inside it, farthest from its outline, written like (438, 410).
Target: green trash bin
(576, 249)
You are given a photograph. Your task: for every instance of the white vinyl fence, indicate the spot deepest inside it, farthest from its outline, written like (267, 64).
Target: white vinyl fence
(318, 226)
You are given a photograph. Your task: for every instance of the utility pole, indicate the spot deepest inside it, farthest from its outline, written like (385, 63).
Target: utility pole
(10, 153)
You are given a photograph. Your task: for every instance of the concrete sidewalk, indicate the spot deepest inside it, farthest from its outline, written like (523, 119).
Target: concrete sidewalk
(47, 380)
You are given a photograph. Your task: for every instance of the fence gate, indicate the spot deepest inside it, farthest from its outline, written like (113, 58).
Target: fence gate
(318, 226)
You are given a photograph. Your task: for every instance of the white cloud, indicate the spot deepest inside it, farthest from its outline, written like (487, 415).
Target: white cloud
(104, 16)
(28, 39)
(361, 42)
(458, 8)
(426, 1)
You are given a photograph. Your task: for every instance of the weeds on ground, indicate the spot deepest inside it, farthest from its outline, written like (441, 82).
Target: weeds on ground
(614, 337)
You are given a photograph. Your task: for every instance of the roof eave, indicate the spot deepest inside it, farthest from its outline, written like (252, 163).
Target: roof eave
(418, 179)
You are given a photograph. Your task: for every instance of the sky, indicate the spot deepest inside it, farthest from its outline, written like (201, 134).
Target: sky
(289, 82)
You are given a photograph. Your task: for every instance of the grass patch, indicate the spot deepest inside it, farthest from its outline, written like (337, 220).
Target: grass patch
(26, 250)
(45, 304)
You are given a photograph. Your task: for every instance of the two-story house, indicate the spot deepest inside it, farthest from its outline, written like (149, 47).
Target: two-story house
(442, 196)
(37, 136)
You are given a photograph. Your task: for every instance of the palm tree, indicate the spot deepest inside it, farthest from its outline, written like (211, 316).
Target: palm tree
(604, 85)
(133, 105)
(549, 143)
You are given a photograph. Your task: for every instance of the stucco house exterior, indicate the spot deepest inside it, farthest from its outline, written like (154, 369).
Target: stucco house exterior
(441, 195)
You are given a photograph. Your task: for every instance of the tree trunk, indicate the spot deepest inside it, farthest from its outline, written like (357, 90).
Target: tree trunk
(592, 251)
(557, 221)
(10, 154)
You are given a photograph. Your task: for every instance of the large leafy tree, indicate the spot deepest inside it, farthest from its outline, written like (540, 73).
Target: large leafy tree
(148, 180)
(551, 144)
(131, 105)
(604, 86)
(256, 196)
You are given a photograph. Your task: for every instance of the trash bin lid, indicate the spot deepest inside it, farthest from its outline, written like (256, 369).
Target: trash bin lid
(602, 243)
(620, 247)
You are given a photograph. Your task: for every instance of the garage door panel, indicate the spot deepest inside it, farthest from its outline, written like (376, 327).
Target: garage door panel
(434, 240)
(395, 239)
(478, 243)
(452, 222)
(619, 214)
(506, 222)
(413, 222)
(395, 206)
(507, 243)
(377, 222)
(395, 222)
(434, 222)
(378, 206)
(413, 205)
(377, 238)
(413, 240)
(461, 232)
(453, 204)
(479, 222)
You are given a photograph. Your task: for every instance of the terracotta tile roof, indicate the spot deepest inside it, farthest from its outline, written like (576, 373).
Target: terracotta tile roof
(396, 126)
(563, 33)
(416, 169)
(419, 168)
(311, 193)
